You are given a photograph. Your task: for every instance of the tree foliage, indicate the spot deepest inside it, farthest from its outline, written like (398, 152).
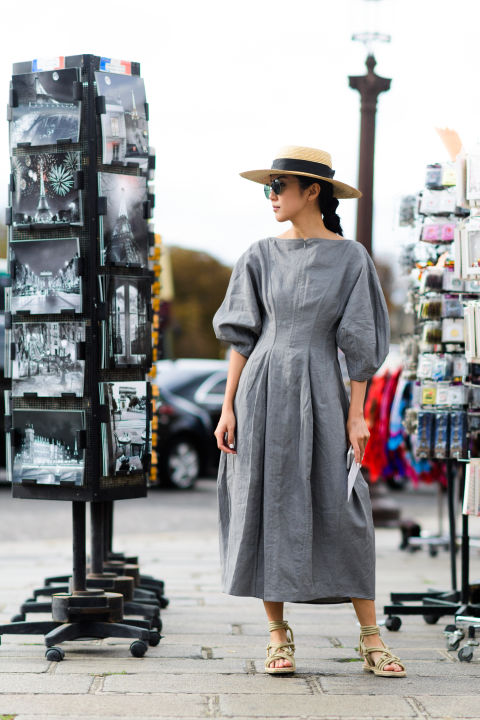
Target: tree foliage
(200, 283)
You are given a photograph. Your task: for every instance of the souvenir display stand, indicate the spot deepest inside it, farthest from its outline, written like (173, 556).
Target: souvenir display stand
(78, 327)
(444, 417)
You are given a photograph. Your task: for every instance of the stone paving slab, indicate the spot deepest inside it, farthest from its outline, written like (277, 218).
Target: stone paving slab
(160, 666)
(360, 706)
(24, 665)
(101, 705)
(451, 708)
(411, 685)
(209, 684)
(43, 684)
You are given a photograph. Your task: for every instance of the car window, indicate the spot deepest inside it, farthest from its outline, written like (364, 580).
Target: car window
(182, 383)
(218, 388)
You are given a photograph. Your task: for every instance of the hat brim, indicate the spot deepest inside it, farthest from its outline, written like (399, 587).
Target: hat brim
(340, 190)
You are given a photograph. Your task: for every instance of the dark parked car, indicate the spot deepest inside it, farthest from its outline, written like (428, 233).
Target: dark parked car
(191, 396)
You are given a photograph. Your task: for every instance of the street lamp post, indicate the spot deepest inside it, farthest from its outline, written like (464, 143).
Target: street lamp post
(369, 86)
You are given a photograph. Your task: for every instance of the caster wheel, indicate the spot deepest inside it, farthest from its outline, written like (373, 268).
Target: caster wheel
(393, 623)
(465, 654)
(18, 618)
(154, 638)
(431, 619)
(453, 644)
(138, 648)
(433, 552)
(54, 654)
(164, 602)
(450, 628)
(159, 625)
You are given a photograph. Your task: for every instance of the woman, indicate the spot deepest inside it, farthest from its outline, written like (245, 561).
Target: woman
(288, 532)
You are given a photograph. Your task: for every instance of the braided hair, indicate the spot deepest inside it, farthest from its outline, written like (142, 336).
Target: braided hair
(327, 202)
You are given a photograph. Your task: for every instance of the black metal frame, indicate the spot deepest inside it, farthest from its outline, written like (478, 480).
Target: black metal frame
(78, 610)
(434, 604)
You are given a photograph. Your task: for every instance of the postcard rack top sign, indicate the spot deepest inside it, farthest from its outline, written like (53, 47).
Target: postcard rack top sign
(51, 63)
(115, 66)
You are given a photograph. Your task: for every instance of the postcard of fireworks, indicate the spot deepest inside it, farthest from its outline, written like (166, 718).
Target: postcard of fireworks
(129, 338)
(44, 189)
(46, 110)
(45, 359)
(125, 437)
(45, 276)
(48, 446)
(124, 124)
(124, 230)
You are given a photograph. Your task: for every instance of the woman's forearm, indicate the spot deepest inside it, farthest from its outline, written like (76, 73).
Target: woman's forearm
(357, 397)
(235, 367)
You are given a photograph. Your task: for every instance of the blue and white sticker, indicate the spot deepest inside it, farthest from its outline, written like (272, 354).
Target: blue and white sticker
(115, 66)
(51, 63)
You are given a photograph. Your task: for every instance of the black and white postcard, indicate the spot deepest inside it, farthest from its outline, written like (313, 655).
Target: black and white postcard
(2, 343)
(124, 124)
(45, 276)
(125, 436)
(44, 189)
(129, 339)
(45, 358)
(48, 446)
(46, 110)
(124, 229)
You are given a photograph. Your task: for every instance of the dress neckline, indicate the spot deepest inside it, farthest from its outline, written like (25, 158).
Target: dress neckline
(305, 240)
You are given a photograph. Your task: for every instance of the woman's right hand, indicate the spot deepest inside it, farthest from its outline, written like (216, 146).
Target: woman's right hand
(226, 424)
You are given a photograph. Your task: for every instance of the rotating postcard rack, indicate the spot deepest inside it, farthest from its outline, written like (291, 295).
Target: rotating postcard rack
(444, 419)
(78, 327)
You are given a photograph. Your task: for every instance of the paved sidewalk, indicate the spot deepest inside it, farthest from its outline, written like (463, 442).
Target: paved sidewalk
(210, 662)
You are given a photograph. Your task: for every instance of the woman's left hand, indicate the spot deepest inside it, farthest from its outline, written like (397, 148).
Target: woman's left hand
(358, 435)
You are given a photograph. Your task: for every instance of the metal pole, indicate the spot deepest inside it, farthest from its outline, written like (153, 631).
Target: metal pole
(79, 552)
(96, 515)
(451, 522)
(109, 513)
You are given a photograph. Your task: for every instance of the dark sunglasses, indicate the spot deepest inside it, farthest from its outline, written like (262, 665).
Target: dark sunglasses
(276, 185)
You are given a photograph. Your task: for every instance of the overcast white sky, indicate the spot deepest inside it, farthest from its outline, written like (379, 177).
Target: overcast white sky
(230, 82)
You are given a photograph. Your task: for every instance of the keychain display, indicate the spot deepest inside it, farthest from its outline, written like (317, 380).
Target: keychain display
(432, 332)
(438, 202)
(458, 434)
(440, 175)
(441, 433)
(452, 330)
(450, 281)
(438, 232)
(431, 307)
(432, 279)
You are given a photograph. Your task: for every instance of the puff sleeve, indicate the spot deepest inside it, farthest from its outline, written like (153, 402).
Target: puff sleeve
(238, 320)
(363, 333)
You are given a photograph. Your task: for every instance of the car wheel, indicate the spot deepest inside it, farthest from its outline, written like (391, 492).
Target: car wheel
(183, 464)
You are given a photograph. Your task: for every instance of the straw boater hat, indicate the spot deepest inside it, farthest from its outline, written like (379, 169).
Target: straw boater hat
(297, 160)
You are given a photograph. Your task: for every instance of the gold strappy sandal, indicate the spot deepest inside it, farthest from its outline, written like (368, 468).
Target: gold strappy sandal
(386, 658)
(280, 651)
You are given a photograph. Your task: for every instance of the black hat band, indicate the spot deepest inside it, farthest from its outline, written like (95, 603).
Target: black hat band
(304, 166)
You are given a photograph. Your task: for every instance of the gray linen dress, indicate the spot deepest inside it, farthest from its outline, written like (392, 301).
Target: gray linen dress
(287, 532)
